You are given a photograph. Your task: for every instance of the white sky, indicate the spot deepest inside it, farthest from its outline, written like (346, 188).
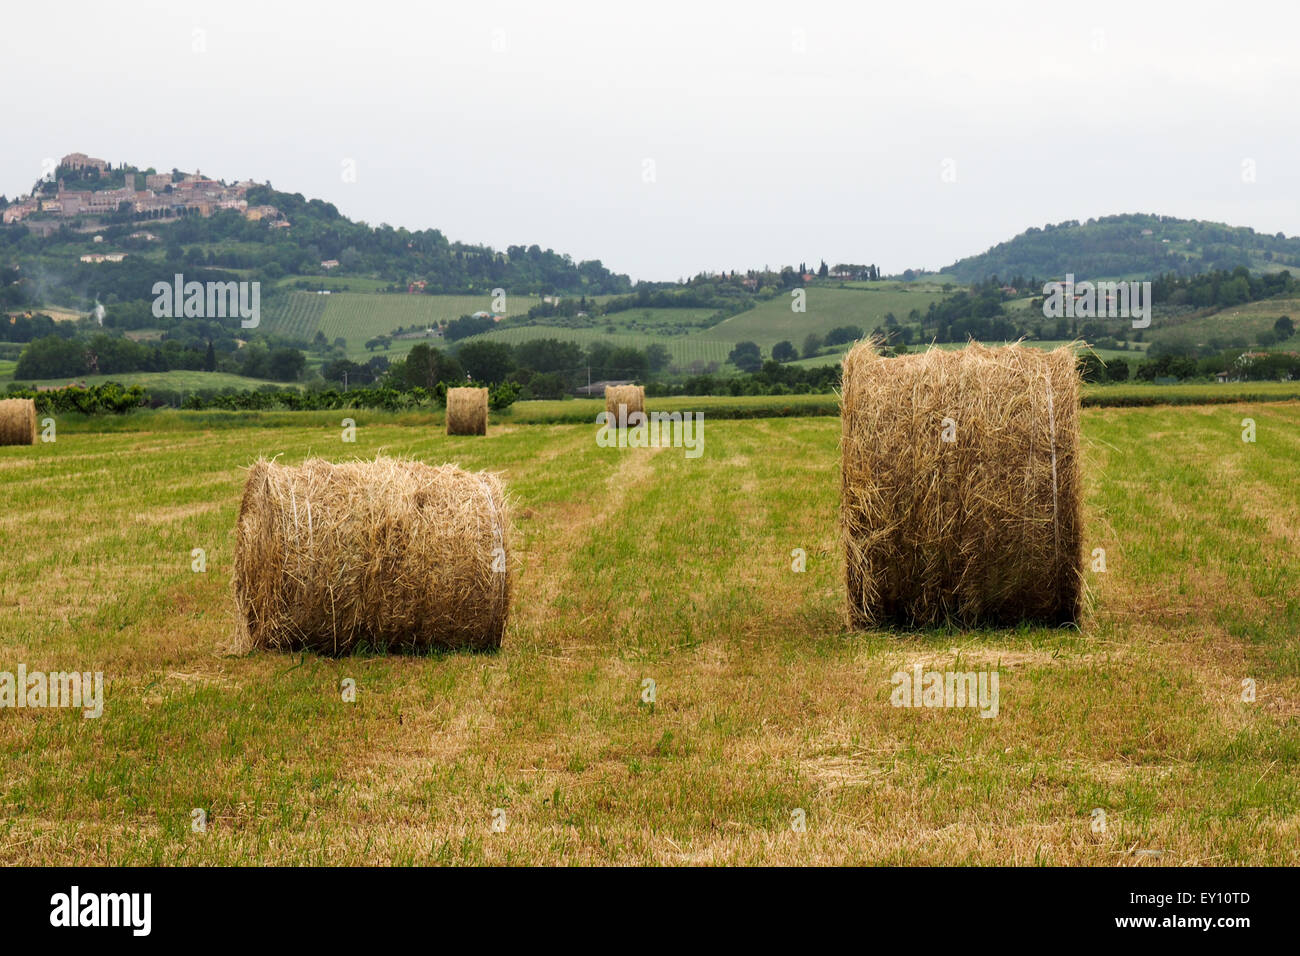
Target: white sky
(779, 132)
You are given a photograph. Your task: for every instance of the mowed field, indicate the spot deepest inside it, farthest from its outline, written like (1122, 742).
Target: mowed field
(642, 564)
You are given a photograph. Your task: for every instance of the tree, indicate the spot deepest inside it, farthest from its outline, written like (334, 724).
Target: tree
(784, 351)
(844, 334)
(658, 357)
(487, 361)
(823, 270)
(342, 370)
(254, 360)
(286, 364)
(466, 326)
(1091, 368)
(549, 355)
(627, 362)
(426, 366)
(746, 356)
(1284, 328)
(51, 357)
(812, 345)
(210, 358)
(547, 385)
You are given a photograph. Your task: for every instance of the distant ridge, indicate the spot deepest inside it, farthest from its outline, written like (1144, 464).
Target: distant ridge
(1129, 246)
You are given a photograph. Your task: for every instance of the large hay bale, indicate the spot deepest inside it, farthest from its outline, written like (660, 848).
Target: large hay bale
(985, 528)
(17, 421)
(386, 554)
(631, 396)
(467, 411)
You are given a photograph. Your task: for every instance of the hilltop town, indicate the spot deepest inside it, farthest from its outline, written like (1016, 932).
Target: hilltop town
(85, 188)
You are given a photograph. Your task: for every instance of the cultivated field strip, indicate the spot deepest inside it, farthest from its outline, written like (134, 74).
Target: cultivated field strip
(641, 564)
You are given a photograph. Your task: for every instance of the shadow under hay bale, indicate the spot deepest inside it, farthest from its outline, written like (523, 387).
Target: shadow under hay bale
(961, 494)
(388, 554)
(631, 396)
(17, 421)
(467, 411)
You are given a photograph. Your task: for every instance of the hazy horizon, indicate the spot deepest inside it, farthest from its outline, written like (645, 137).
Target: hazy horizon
(777, 135)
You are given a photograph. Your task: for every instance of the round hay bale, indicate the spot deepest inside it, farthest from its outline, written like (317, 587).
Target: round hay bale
(961, 496)
(388, 554)
(17, 421)
(631, 396)
(467, 411)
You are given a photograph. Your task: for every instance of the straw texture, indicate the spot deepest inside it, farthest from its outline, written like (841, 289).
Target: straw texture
(388, 554)
(467, 411)
(17, 421)
(633, 396)
(983, 529)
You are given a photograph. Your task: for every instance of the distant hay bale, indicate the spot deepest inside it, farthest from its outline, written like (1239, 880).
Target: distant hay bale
(17, 421)
(467, 411)
(984, 528)
(388, 553)
(633, 396)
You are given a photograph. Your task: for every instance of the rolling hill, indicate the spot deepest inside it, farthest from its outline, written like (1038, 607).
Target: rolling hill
(1128, 246)
(766, 324)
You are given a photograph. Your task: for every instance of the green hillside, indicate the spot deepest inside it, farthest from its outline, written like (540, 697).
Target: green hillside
(1128, 246)
(687, 333)
(827, 308)
(336, 283)
(358, 317)
(691, 343)
(1237, 326)
(686, 350)
(644, 321)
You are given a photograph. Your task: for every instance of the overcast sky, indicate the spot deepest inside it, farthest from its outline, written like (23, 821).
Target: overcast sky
(668, 138)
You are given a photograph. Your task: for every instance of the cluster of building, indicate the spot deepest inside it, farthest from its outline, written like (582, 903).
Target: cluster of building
(166, 194)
